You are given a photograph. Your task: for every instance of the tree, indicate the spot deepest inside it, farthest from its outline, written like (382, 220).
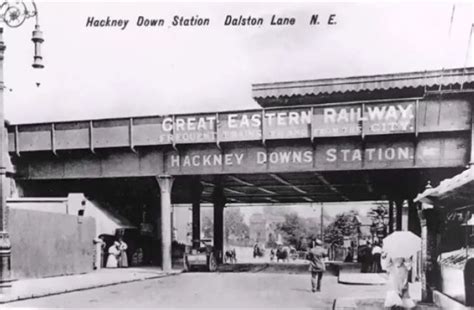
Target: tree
(234, 224)
(313, 228)
(344, 225)
(378, 214)
(293, 229)
(207, 223)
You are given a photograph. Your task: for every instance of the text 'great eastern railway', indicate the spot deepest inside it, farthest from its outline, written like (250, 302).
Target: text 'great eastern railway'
(341, 120)
(346, 120)
(406, 133)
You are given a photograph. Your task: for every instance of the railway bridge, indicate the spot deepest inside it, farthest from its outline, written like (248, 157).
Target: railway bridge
(342, 139)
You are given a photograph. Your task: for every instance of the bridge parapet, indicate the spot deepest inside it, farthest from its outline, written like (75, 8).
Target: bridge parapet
(383, 134)
(312, 123)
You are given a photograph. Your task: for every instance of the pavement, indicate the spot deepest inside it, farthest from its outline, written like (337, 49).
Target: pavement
(243, 285)
(35, 288)
(258, 289)
(362, 278)
(265, 267)
(351, 278)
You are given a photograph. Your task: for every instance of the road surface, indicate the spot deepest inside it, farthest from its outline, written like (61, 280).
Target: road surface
(221, 290)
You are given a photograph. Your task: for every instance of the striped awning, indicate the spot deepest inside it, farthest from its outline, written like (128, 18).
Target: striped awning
(417, 79)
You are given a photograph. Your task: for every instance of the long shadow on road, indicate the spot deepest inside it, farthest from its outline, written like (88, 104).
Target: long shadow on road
(264, 267)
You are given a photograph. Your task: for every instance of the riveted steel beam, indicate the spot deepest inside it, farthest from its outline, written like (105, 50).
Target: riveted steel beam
(332, 188)
(240, 181)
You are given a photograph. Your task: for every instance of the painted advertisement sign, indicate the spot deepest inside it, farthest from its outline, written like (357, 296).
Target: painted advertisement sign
(343, 155)
(371, 119)
(347, 120)
(244, 126)
(337, 121)
(287, 124)
(389, 118)
(191, 129)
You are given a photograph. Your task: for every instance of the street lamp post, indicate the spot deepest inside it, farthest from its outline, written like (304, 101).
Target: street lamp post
(13, 15)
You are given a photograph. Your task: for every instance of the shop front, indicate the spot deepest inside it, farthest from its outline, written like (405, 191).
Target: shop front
(447, 220)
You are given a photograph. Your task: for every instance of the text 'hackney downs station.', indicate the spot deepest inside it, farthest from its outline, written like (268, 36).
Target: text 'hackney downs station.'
(377, 135)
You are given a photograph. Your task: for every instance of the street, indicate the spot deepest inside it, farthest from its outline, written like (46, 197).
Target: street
(245, 255)
(217, 290)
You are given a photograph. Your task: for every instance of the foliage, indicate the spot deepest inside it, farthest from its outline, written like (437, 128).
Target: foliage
(271, 243)
(234, 224)
(313, 227)
(207, 225)
(378, 214)
(344, 225)
(297, 231)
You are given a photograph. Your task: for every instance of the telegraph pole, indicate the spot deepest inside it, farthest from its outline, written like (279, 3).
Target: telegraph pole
(322, 222)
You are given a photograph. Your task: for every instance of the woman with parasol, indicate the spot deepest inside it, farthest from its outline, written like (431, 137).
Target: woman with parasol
(398, 295)
(398, 251)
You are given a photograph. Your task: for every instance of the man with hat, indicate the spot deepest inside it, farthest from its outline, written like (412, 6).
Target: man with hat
(316, 264)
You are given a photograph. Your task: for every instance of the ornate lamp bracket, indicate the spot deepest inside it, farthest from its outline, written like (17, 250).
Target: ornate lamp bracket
(14, 13)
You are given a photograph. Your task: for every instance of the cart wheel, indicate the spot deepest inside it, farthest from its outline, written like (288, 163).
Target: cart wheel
(212, 266)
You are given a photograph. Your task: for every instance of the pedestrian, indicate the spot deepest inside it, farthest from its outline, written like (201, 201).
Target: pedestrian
(122, 259)
(397, 294)
(364, 258)
(272, 254)
(99, 252)
(316, 265)
(376, 256)
(114, 252)
(369, 258)
(349, 258)
(256, 250)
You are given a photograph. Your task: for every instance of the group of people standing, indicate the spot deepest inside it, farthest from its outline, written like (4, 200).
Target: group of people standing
(370, 257)
(116, 254)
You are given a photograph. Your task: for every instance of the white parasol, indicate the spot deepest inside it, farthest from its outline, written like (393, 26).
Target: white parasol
(401, 244)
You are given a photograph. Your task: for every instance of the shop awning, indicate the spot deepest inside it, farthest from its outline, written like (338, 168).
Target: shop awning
(266, 93)
(454, 192)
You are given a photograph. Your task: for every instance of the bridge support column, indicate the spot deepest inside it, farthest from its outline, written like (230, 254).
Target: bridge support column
(219, 202)
(413, 220)
(429, 252)
(390, 216)
(398, 217)
(471, 153)
(166, 183)
(405, 214)
(196, 212)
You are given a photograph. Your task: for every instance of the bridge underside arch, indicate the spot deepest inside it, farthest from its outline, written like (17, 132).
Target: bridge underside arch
(301, 187)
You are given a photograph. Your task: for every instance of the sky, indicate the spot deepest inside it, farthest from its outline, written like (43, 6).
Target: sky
(107, 72)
